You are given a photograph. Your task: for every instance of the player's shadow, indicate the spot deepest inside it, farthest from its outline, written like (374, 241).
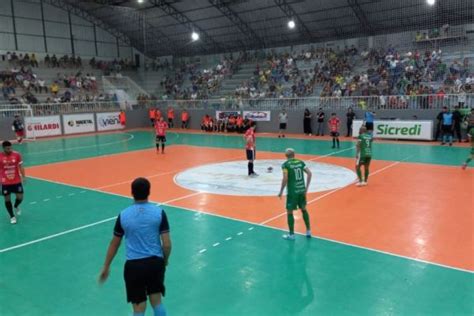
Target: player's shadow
(299, 289)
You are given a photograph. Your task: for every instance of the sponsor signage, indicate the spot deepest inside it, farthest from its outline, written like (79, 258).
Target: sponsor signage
(78, 123)
(257, 115)
(108, 121)
(416, 130)
(221, 115)
(43, 126)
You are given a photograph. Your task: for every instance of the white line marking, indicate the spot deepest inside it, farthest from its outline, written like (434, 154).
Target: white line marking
(250, 228)
(83, 191)
(330, 154)
(216, 244)
(46, 200)
(59, 196)
(31, 203)
(233, 219)
(228, 238)
(71, 194)
(240, 233)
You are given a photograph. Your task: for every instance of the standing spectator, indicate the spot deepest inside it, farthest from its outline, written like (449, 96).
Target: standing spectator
(283, 120)
(334, 124)
(18, 128)
(369, 121)
(122, 118)
(320, 116)
(447, 126)
(439, 120)
(350, 119)
(148, 248)
(308, 116)
(184, 119)
(457, 118)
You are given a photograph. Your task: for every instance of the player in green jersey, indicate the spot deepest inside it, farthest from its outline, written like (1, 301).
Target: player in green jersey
(470, 136)
(293, 178)
(364, 155)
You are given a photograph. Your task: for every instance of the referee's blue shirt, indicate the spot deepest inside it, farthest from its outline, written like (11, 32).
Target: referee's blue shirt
(447, 118)
(369, 117)
(142, 224)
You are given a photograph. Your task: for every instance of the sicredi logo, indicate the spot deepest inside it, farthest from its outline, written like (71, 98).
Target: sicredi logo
(109, 120)
(385, 129)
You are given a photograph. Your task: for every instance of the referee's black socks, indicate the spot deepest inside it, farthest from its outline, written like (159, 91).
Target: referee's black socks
(9, 207)
(250, 167)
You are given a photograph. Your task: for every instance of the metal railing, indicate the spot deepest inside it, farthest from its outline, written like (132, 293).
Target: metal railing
(10, 110)
(419, 102)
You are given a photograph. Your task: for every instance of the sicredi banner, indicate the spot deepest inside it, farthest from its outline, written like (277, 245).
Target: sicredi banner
(43, 126)
(108, 121)
(79, 123)
(259, 116)
(416, 130)
(221, 115)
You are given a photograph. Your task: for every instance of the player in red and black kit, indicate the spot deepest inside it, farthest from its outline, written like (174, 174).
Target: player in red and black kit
(250, 148)
(11, 173)
(334, 124)
(18, 128)
(160, 127)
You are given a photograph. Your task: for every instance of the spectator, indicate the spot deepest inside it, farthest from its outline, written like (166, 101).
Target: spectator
(350, 119)
(447, 126)
(283, 121)
(320, 117)
(307, 120)
(457, 118)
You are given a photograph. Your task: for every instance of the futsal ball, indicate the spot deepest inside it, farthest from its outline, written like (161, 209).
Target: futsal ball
(269, 169)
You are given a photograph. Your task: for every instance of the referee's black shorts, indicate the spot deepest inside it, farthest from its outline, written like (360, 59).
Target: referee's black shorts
(251, 154)
(144, 277)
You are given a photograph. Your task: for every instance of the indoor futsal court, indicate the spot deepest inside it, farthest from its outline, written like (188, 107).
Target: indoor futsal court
(401, 245)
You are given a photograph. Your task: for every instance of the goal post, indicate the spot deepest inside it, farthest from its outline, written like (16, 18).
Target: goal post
(24, 111)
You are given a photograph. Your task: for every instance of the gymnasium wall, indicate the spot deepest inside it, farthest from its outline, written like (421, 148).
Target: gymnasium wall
(35, 26)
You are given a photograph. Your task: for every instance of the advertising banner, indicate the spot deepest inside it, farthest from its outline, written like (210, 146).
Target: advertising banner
(43, 126)
(258, 116)
(79, 123)
(108, 121)
(415, 130)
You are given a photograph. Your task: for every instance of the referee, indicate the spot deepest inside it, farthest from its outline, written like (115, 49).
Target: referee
(148, 247)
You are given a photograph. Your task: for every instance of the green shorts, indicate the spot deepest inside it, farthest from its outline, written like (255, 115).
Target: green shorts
(364, 160)
(296, 201)
(472, 150)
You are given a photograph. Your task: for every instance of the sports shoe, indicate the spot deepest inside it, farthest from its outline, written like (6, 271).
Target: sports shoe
(359, 184)
(18, 210)
(464, 166)
(364, 184)
(308, 234)
(253, 175)
(288, 237)
(13, 220)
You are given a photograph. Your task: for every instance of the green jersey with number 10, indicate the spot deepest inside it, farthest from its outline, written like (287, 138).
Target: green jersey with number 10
(295, 169)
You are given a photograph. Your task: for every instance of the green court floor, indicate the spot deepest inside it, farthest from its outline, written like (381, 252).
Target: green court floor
(49, 262)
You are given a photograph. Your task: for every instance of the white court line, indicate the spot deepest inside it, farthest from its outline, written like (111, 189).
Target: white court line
(130, 137)
(229, 218)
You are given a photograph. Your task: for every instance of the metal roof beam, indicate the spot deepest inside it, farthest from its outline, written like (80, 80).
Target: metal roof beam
(291, 13)
(360, 14)
(184, 20)
(239, 23)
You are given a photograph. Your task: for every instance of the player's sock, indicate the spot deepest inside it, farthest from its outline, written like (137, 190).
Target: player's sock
(359, 173)
(291, 222)
(366, 174)
(138, 314)
(306, 219)
(9, 207)
(18, 202)
(450, 139)
(162, 147)
(251, 168)
(337, 142)
(157, 147)
(333, 142)
(159, 310)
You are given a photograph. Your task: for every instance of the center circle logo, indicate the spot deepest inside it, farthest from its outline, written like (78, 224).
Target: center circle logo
(230, 178)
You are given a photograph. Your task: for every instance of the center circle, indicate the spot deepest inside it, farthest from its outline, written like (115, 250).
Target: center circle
(230, 178)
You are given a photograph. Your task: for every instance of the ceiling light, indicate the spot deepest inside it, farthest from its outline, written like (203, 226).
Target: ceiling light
(291, 24)
(195, 36)
(140, 1)
(431, 2)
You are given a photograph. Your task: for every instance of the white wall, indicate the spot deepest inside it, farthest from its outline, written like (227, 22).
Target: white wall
(23, 29)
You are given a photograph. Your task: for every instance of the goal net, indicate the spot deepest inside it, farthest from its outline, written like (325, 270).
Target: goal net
(23, 111)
